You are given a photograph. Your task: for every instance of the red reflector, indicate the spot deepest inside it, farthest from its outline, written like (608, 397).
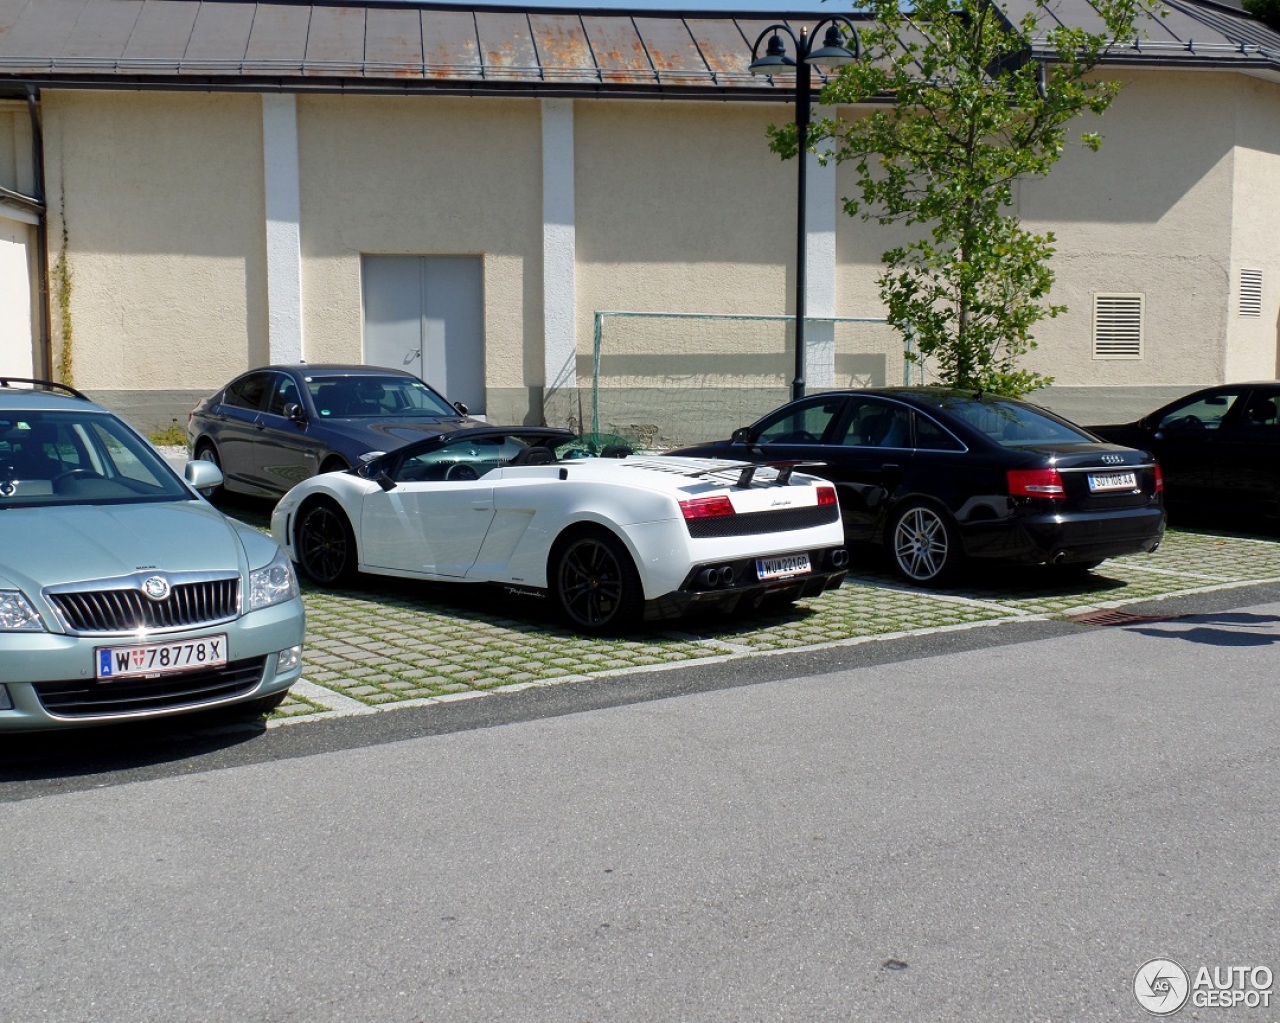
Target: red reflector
(1036, 483)
(1159, 479)
(826, 495)
(706, 507)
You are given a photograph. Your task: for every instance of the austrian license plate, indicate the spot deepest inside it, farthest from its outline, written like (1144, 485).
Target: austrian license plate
(781, 568)
(158, 658)
(1113, 481)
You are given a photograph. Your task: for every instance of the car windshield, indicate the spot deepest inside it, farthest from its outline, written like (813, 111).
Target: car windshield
(73, 457)
(469, 457)
(368, 397)
(1013, 425)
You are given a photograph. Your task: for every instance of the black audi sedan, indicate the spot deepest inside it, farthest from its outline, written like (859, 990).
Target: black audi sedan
(1219, 448)
(941, 476)
(273, 427)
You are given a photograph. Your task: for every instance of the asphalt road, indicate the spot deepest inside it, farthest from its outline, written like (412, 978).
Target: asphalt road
(1002, 823)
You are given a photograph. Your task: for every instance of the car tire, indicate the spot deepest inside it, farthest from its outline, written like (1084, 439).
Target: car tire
(206, 451)
(595, 584)
(325, 544)
(924, 545)
(334, 463)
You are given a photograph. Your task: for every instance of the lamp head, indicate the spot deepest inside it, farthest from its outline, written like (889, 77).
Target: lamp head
(833, 52)
(775, 60)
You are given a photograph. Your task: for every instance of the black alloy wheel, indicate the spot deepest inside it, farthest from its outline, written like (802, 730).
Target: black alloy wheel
(325, 544)
(596, 584)
(923, 544)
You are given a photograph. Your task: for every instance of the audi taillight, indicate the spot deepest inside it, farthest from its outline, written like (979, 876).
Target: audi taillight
(705, 508)
(1036, 483)
(1159, 479)
(826, 495)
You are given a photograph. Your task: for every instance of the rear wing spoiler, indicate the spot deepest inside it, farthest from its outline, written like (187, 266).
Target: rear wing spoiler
(747, 470)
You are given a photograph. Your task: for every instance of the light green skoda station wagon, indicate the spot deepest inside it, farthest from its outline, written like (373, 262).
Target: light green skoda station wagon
(124, 594)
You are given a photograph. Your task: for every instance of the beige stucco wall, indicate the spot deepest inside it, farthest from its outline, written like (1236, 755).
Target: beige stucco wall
(1253, 350)
(156, 198)
(422, 176)
(680, 207)
(1149, 213)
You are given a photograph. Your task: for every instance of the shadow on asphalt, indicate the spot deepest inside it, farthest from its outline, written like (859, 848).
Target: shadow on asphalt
(120, 748)
(1231, 629)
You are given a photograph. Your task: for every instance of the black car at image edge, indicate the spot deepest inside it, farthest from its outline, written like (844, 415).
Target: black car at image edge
(1219, 449)
(940, 476)
(273, 427)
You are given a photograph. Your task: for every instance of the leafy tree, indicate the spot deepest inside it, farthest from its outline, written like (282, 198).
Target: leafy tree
(1266, 11)
(962, 111)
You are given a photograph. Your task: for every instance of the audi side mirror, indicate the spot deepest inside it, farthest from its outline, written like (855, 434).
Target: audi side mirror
(461, 407)
(741, 435)
(294, 413)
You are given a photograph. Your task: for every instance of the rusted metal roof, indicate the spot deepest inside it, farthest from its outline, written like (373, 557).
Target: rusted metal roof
(236, 44)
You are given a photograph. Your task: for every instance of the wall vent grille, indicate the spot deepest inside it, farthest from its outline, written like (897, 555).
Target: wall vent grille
(1250, 292)
(1118, 326)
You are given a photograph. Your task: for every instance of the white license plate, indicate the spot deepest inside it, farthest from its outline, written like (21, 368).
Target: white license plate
(780, 568)
(1113, 481)
(160, 658)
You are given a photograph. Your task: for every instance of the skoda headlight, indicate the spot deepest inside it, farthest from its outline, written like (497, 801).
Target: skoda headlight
(17, 614)
(272, 585)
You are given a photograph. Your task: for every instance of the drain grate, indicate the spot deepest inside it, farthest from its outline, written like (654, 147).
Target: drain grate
(1114, 616)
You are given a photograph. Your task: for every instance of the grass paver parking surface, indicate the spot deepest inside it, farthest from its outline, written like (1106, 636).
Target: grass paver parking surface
(394, 643)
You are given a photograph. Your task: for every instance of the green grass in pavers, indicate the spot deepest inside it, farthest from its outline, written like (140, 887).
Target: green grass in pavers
(1213, 556)
(378, 654)
(296, 706)
(856, 610)
(391, 641)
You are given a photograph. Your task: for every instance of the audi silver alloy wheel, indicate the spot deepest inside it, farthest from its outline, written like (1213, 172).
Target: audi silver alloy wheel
(924, 545)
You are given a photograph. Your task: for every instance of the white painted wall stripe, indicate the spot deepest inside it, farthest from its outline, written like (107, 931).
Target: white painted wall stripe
(283, 209)
(821, 210)
(559, 255)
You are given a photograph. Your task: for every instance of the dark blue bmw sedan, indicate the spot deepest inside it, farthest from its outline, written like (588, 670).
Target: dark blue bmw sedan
(273, 427)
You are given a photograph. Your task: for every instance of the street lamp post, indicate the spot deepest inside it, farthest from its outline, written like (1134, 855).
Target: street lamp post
(835, 50)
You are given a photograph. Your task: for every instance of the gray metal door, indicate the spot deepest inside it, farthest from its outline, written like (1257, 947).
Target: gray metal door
(425, 314)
